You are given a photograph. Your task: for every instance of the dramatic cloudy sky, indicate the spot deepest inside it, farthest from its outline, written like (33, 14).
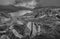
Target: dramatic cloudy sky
(5, 1)
(42, 2)
(50, 2)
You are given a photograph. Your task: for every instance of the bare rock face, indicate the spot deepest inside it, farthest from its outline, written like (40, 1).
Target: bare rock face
(23, 20)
